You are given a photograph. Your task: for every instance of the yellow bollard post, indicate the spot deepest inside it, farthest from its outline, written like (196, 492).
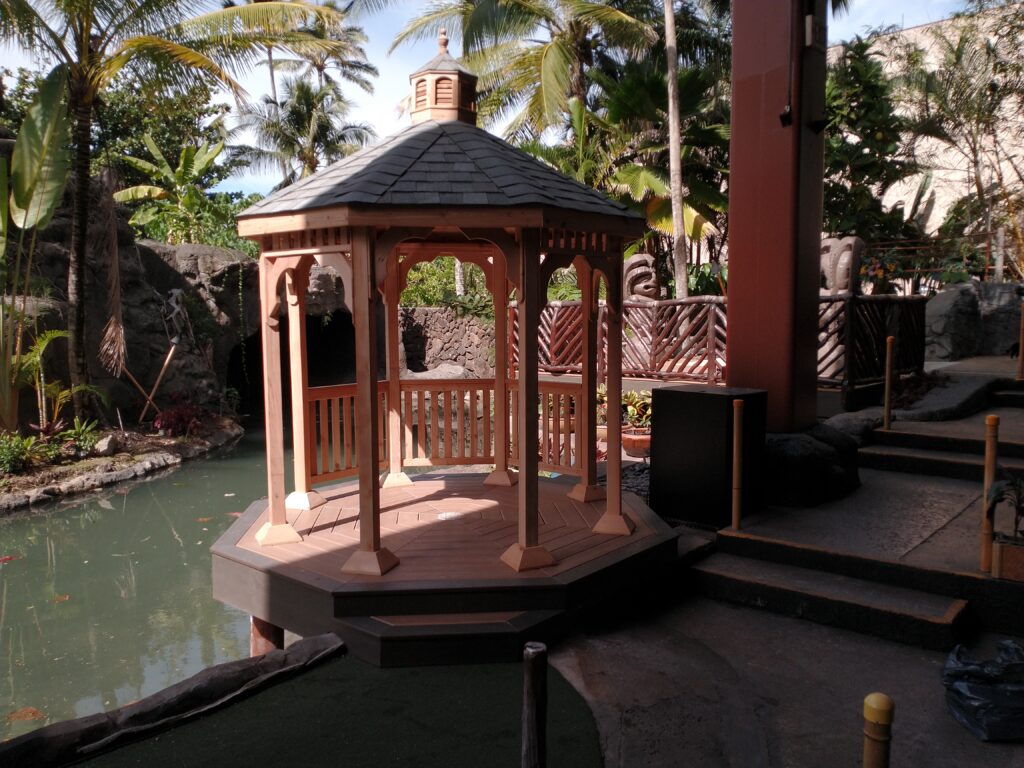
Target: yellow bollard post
(989, 477)
(878, 714)
(890, 343)
(737, 462)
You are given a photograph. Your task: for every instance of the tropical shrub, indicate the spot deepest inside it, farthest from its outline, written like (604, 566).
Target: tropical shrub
(82, 436)
(17, 453)
(180, 419)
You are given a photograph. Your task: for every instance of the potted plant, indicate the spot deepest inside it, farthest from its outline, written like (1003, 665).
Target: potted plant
(636, 411)
(1008, 550)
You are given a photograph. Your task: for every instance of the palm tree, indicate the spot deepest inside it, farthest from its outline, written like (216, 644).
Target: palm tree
(348, 60)
(167, 42)
(302, 132)
(531, 56)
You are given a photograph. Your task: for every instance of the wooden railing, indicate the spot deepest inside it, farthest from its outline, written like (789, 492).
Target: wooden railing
(330, 431)
(685, 339)
(444, 422)
(447, 421)
(559, 415)
(679, 339)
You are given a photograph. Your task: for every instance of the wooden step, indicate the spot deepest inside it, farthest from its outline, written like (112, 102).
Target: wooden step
(465, 638)
(918, 461)
(893, 613)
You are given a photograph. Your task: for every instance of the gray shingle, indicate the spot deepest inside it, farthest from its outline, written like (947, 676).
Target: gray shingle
(439, 163)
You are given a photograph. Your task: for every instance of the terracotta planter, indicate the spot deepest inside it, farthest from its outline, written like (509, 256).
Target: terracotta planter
(1008, 559)
(601, 431)
(636, 442)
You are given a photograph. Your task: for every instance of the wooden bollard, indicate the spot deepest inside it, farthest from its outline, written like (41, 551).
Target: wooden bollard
(535, 705)
(988, 509)
(737, 462)
(1020, 343)
(878, 713)
(890, 344)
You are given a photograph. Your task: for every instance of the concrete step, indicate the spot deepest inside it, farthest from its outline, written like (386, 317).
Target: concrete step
(1008, 398)
(906, 436)
(939, 463)
(995, 603)
(893, 613)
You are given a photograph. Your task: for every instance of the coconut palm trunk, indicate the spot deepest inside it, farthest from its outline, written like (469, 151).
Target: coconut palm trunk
(78, 368)
(675, 163)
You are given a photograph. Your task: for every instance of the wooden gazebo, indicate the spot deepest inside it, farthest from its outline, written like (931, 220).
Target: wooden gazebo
(441, 187)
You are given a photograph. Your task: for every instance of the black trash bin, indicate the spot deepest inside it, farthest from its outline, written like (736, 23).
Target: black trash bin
(691, 452)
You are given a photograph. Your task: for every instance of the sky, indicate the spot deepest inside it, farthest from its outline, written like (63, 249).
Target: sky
(381, 108)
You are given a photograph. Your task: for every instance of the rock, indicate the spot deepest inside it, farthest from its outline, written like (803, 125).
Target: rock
(809, 468)
(857, 425)
(999, 307)
(107, 445)
(952, 323)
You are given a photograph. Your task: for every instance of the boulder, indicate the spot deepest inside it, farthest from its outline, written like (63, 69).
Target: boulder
(809, 468)
(107, 445)
(999, 307)
(952, 323)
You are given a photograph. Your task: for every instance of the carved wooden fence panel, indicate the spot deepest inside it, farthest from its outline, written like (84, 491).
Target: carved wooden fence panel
(832, 339)
(685, 339)
(872, 319)
(680, 339)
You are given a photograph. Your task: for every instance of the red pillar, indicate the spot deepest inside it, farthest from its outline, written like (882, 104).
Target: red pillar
(775, 199)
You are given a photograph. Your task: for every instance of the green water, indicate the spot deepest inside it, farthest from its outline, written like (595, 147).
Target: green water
(109, 598)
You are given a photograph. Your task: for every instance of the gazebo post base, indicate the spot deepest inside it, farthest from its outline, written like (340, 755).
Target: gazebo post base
(584, 493)
(394, 479)
(264, 637)
(615, 525)
(282, 533)
(520, 558)
(367, 563)
(304, 500)
(504, 478)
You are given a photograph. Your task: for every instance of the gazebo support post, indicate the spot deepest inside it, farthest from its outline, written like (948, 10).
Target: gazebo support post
(276, 530)
(587, 488)
(370, 558)
(395, 476)
(613, 521)
(527, 553)
(296, 283)
(502, 475)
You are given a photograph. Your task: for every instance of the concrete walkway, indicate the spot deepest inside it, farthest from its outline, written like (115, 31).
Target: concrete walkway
(707, 684)
(931, 522)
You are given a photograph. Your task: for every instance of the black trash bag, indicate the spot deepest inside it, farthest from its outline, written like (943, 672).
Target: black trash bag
(987, 697)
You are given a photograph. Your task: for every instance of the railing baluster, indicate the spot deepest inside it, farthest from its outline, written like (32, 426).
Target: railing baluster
(421, 424)
(486, 408)
(435, 408)
(336, 434)
(460, 402)
(346, 430)
(556, 440)
(474, 452)
(407, 425)
(322, 408)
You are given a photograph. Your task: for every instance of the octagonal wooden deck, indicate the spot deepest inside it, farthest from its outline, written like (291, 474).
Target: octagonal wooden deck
(451, 598)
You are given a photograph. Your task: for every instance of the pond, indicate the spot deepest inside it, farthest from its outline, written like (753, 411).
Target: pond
(106, 598)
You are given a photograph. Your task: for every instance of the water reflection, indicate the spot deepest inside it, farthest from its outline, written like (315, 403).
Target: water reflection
(108, 598)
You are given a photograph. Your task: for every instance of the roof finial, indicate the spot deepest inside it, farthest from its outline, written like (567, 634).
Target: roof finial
(442, 40)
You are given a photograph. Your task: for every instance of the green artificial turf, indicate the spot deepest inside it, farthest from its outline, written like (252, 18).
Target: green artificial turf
(345, 712)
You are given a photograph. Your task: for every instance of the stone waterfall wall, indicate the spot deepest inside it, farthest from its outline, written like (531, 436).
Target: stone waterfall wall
(972, 319)
(435, 335)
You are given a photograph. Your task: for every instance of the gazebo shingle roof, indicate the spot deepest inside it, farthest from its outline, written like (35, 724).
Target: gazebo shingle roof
(440, 164)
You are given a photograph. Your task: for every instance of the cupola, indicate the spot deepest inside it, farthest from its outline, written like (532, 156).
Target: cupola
(443, 89)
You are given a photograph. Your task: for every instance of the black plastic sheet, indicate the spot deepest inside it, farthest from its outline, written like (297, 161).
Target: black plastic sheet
(987, 697)
(214, 687)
